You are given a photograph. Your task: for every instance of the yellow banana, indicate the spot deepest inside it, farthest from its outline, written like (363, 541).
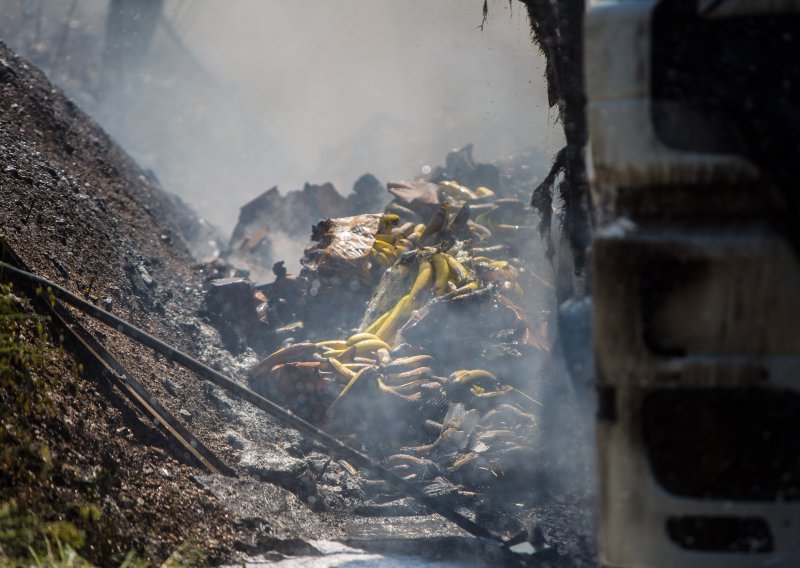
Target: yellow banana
(374, 326)
(381, 257)
(416, 233)
(285, 355)
(370, 346)
(480, 232)
(413, 374)
(384, 238)
(353, 380)
(461, 291)
(342, 370)
(403, 245)
(364, 335)
(332, 344)
(471, 194)
(458, 269)
(456, 190)
(409, 387)
(483, 219)
(468, 287)
(384, 247)
(505, 230)
(441, 271)
(423, 277)
(388, 220)
(389, 326)
(389, 390)
(406, 228)
(383, 356)
(335, 353)
(404, 363)
(484, 192)
(466, 376)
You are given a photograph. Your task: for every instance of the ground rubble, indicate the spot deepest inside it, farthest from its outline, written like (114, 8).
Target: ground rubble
(475, 439)
(78, 211)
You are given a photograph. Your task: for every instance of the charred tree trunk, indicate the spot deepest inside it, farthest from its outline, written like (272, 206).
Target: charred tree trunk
(557, 28)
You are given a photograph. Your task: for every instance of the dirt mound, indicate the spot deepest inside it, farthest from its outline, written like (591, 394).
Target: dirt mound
(79, 211)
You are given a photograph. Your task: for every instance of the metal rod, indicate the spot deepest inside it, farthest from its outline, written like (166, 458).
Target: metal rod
(285, 416)
(152, 406)
(127, 383)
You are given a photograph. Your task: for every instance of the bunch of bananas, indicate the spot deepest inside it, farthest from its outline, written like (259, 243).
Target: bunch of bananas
(365, 357)
(392, 240)
(439, 275)
(420, 263)
(373, 354)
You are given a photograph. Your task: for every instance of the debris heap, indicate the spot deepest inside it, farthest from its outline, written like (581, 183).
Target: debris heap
(411, 333)
(273, 218)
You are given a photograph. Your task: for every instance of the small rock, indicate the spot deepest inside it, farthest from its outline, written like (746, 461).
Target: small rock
(282, 470)
(231, 301)
(169, 386)
(185, 414)
(146, 278)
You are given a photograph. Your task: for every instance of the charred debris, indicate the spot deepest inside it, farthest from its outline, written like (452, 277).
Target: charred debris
(416, 330)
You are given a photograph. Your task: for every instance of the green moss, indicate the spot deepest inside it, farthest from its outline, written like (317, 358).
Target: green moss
(27, 369)
(25, 361)
(186, 555)
(22, 534)
(37, 529)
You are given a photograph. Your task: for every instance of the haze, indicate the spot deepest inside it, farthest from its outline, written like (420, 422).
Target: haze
(236, 97)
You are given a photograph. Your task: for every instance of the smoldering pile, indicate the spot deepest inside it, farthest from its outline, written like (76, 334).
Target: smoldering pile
(411, 334)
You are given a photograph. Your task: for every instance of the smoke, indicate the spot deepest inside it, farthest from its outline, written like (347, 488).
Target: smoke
(232, 98)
